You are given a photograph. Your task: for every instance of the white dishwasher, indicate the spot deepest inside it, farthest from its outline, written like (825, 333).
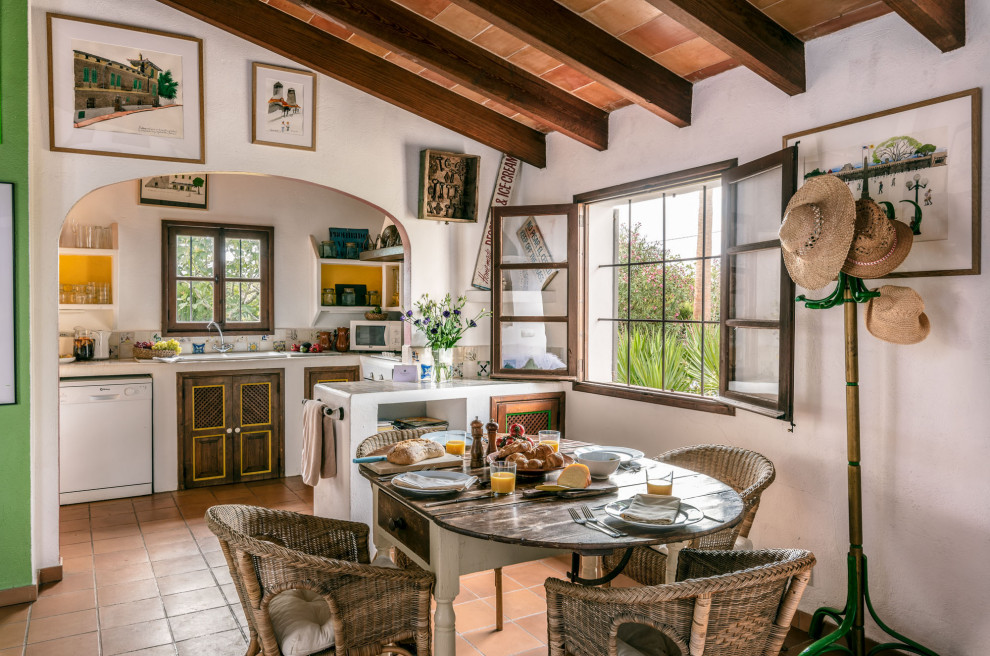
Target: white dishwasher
(104, 447)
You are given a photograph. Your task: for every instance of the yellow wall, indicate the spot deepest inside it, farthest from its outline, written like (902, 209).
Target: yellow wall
(80, 269)
(333, 274)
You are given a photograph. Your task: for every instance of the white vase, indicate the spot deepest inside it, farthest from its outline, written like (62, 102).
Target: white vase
(443, 364)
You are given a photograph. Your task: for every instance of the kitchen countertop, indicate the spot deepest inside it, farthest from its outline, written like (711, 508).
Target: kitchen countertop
(115, 366)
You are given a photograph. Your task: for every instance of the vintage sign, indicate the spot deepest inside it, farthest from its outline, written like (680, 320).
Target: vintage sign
(535, 248)
(508, 171)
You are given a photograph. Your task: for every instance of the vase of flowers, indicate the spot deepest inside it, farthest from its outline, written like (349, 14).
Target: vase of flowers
(443, 324)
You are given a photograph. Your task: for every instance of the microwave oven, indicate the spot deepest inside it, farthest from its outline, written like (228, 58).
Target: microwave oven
(376, 335)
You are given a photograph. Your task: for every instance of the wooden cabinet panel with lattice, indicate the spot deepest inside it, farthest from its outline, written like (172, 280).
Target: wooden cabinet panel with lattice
(536, 412)
(316, 375)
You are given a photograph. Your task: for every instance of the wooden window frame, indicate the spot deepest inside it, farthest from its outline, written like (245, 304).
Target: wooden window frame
(170, 326)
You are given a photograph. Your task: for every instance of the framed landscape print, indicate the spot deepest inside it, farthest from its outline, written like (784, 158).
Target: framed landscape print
(124, 91)
(7, 387)
(921, 163)
(283, 107)
(188, 190)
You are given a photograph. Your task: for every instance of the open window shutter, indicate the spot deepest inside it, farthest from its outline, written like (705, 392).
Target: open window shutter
(757, 320)
(535, 283)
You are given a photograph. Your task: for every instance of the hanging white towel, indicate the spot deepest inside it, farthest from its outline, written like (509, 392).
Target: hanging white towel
(312, 448)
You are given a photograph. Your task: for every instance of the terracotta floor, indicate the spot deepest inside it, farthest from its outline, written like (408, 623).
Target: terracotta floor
(145, 576)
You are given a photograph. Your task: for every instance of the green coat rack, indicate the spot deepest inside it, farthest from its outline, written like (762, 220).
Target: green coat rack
(850, 292)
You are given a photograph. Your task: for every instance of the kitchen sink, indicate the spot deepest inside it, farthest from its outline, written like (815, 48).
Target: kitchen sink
(236, 355)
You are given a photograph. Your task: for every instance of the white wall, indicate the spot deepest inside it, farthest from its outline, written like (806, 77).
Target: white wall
(924, 412)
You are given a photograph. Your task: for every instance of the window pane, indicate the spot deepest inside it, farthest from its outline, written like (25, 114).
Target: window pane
(194, 301)
(757, 357)
(646, 234)
(685, 212)
(183, 256)
(756, 293)
(194, 256)
(531, 345)
(243, 258)
(534, 239)
(645, 289)
(522, 294)
(701, 359)
(713, 290)
(758, 207)
(243, 301)
(679, 285)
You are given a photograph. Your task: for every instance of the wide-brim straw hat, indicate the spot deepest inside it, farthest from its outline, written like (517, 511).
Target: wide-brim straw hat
(879, 244)
(897, 316)
(817, 231)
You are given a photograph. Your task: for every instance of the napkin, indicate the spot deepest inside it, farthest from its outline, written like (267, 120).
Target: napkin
(652, 509)
(419, 482)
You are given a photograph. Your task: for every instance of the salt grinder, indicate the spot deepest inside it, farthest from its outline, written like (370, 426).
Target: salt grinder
(477, 448)
(492, 429)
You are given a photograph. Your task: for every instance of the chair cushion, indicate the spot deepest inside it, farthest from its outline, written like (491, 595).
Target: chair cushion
(643, 640)
(302, 622)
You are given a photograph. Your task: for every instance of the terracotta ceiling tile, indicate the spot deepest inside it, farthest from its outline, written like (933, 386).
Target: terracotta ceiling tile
(691, 56)
(799, 15)
(407, 64)
(461, 22)
(499, 42)
(534, 61)
(619, 16)
(330, 26)
(661, 33)
(600, 96)
(712, 70)
(292, 9)
(427, 8)
(567, 78)
(501, 109)
(365, 44)
(438, 79)
(848, 19)
(579, 6)
(469, 94)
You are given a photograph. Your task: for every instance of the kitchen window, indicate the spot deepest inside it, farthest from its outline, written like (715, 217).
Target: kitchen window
(216, 272)
(680, 296)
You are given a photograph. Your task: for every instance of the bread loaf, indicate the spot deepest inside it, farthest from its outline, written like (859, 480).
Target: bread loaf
(409, 452)
(576, 475)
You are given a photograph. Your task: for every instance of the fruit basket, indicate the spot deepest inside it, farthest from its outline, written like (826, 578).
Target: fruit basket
(147, 351)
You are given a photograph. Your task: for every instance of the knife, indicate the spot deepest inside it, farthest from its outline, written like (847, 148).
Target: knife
(369, 459)
(461, 500)
(567, 492)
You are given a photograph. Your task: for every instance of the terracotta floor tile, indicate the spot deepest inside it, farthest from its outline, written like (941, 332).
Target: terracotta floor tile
(208, 543)
(166, 537)
(537, 651)
(190, 602)
(200, 530)
(110, 521)
(562, 564)
(124, 593)
(69, 602)
(512, 639)
(464, 595)
(110, 507)
(12, 634)
(161, 525)
(222, 574)
(13, 651)
(77, 564)
(122, 639)
(118, 544)
(535, 625)
(61, 626)
(483, 583)
(76, 550)
(70, 583)
(229, 643)
(68, 526)
(238, 612)
(132, 612)
(15, 613)
(185, 582)
(530, 574)
(118, 559)
(230, 593)
(520, 603)
(474, 615)
(215, 558)
(74, 537)
(158, 514)
(87, 644)
(464, 648)
(76, 511)
(160, 650)
(202, 623)
(137, 572)
(170, 550)
(111, 532)
(178, 565)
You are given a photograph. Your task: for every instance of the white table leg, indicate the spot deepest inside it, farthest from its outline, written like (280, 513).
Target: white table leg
(673, 550)
(446, 563)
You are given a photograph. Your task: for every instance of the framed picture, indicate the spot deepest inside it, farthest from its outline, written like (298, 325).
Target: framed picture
(188, 190)
(283, 107)
(124, 91)
(921, 163)
(8, 391)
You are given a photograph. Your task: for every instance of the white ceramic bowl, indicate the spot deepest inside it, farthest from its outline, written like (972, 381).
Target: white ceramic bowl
(601, 464)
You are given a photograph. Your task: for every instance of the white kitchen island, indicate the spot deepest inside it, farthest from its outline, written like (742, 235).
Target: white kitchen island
(348, 495)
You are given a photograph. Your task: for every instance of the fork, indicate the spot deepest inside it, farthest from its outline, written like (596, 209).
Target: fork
(590, 516)
(584, 522)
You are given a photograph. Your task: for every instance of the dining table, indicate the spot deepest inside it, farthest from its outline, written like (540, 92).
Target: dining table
(473, 531)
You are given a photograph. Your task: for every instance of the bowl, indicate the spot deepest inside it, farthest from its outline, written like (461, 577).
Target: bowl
(601, 464)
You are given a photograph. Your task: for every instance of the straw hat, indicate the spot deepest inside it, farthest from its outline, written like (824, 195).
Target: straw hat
(817, 230)
(897, 316)
(879, 245)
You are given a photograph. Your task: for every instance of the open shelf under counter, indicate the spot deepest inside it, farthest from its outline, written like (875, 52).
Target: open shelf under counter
(106, 252)
(85, 307)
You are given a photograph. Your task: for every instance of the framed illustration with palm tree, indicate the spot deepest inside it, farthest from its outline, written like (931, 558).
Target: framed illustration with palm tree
(188, 190)
(124, 91)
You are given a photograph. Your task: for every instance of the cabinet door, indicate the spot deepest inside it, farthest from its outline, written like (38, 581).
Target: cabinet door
(543, 411)
(316, 375)
(205, 426)
(257, 448)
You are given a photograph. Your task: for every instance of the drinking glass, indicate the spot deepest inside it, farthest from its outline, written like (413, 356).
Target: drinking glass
(503, 477)
(84, 236)
(551, 438)
(660, 481)
(455, 442)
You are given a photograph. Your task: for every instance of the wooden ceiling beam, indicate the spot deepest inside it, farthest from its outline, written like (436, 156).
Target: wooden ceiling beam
(441, 51)
(943, 22)
(313, 48)
(559, 32)
(746, 34)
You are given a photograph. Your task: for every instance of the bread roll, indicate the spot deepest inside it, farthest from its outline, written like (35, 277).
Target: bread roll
(532, 463)
(515, 447)
(517, 458)
(555, 460)
(542, 451)
(409, 452)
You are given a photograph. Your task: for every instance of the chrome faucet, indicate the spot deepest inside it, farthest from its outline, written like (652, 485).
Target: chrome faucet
(222, 347)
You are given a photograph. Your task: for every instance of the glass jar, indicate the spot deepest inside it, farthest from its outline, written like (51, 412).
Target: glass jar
(352, 251)
(374, 298)
(328, 250)
(329, 296)
(348, 296)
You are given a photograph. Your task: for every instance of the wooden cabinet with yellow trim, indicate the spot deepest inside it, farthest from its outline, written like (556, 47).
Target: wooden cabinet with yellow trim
(315, 375)
(541, 411)
(231, 427)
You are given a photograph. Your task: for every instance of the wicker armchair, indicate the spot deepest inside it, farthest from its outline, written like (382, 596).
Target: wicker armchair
(724, 603)
(746, 472)
(273, 551)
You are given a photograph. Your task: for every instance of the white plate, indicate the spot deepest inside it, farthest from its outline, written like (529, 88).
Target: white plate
(625, 453)
(438, 474)
(66, 360)
(441, 437)
(687, 514)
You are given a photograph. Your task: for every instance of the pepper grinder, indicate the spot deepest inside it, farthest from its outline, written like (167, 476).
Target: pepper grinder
(477, 448)
(492, 429)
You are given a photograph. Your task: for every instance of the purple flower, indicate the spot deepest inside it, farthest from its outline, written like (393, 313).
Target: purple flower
(426, 320)
(457, 313)
(434, 331)
(408, 313)
(416, 322)
(446, 313)
(472, 324)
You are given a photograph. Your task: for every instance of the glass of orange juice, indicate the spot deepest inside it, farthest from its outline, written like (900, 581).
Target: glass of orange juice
(503, 477)
(455, 442)
(660, 481)
(550, 438)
